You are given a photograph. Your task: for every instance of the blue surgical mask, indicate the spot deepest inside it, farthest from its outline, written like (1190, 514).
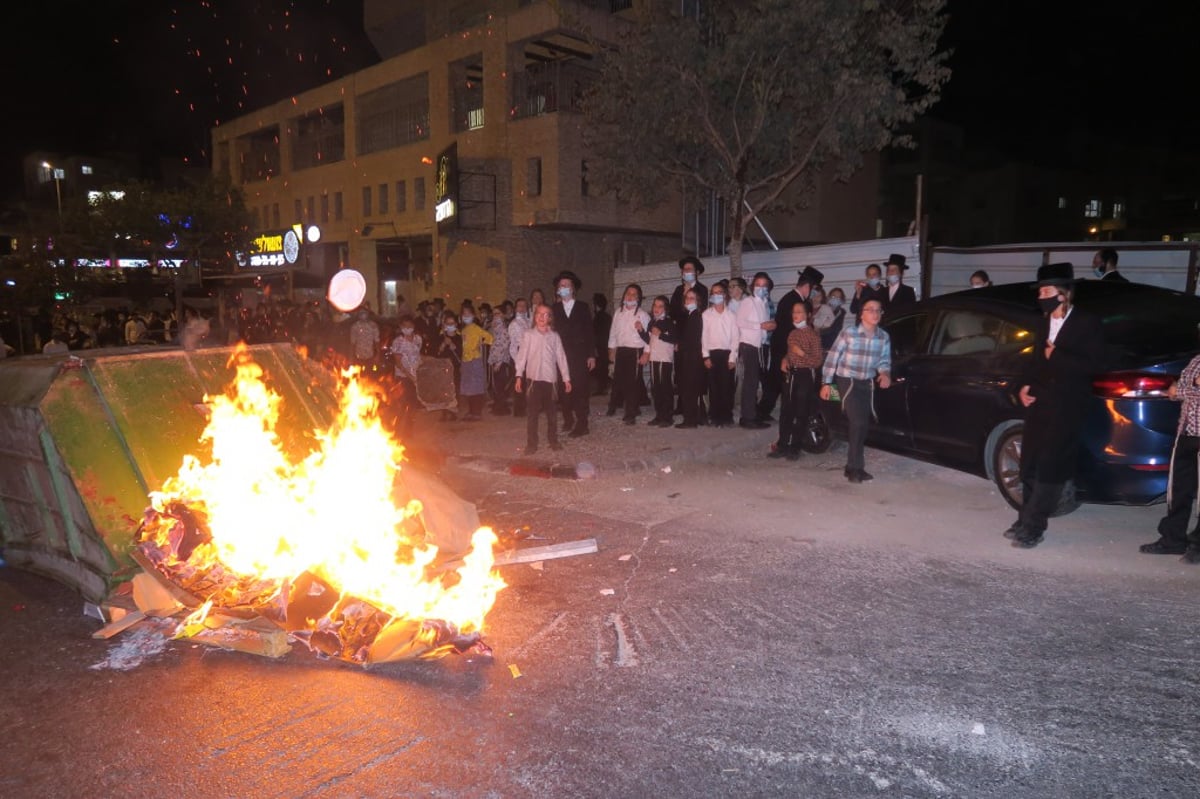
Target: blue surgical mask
(1099, 271)
(800, 325)
(564, 292)
(762, 292)
(691, 306)
(977, 285)
(873, 282)
(717, 299)
(893, 280)
(835, 303)
(689, 277)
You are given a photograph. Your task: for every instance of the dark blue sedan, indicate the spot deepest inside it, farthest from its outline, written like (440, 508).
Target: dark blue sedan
(957, 357)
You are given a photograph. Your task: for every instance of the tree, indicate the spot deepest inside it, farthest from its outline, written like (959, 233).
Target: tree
(752, 100)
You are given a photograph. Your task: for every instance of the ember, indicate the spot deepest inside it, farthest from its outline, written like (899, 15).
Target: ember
(318, 545)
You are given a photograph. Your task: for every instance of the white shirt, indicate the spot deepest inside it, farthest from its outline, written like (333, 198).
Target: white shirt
(623, 333)
(516, 329)
(541, 357)
(568, 305)
(719, 332)
(751, 313)
(1056, 324)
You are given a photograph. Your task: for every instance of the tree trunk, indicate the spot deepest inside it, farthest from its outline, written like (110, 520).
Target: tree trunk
(737, 236)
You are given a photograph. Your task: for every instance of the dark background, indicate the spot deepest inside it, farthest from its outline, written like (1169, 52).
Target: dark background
(1029, 77)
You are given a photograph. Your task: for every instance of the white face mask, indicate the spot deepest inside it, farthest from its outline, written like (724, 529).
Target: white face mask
(717, 299)
(835, 303)
(873, 282)
(451, 328)
(976, 285)
(689, 277)
(893, 280)
(800, 325)
(691, 306)
(631, 304)
(468, 320)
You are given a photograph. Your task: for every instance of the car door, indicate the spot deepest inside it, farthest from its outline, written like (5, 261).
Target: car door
(962, 386)
(909, 338)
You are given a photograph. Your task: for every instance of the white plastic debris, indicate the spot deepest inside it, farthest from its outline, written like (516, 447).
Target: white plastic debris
(626, 489)
(978, 729)
(666, 470)
(625, 557)
(607, 592)
(672, 570)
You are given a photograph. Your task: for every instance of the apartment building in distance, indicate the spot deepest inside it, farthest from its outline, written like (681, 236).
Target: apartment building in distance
(455, 167)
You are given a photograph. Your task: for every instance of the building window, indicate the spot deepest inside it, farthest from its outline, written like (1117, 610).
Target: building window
(319, 137)
(466, 94)
(394, 115)
(338, 214)
(366, 208)
(1118, 211)
(419, 194)
(1092, 209)
(583, 178)
(324, 209)
(533, 177)
(297, 210)
(1062, 202)
(86, 169)
(275, 214)
(401, 196)
(383, 198)
(260, 154)
(311, 215)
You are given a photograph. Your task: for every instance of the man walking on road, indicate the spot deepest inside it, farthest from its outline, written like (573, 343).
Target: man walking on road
(1173, 537)
(861, 355)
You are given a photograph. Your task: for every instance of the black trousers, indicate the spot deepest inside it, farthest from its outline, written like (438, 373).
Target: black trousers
(772, 383)
(540, 400)
(798, 393)
(502, 386)
(750, 357)
(577, 405)
(720, 388)
(857, 398)
(662, 389)
(691, 387)
(1182, 493)
(627, 381)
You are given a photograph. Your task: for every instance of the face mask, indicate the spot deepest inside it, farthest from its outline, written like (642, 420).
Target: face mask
(873, 282)
(976, 285)
(523, 315)
(691, 306)
(835, 303)
(800, 325)
(408, 331)
(1099, 271)
(761, 292)
(717, 299)
(564, 292)
(893, 280)
(660, 316)
(689, 277)
(631, 304)
(1049, 304)
(468, 320)
(451, 328)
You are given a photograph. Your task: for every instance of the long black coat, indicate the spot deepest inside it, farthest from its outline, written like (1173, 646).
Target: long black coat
(879, 293)
(676, 310)
(1061, 386)
(905, 299)
(578, 336)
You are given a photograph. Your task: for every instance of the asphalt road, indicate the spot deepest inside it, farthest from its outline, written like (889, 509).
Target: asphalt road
(768, 633)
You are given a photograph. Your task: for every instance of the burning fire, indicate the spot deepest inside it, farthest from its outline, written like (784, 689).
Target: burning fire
(278, 534)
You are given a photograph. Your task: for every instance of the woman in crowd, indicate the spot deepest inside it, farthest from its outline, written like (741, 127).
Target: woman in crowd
(473, 370)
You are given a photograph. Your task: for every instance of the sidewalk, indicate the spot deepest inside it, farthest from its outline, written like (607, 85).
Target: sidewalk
(497, 443)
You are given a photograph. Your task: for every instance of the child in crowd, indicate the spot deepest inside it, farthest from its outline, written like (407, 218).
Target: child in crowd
(804, 357)
(450, 347)
(517, 328)
(628, 338)
(691, 361)
(663, 339)
(541, 362)
(719, 346)
(406, 357)
(473, 371)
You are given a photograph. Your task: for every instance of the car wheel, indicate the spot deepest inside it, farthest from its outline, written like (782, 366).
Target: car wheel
(818, 435)
(1005, 465)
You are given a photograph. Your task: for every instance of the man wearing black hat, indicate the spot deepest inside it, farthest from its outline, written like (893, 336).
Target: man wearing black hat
(899, 296)
(772, 376)
(573, 323)
(690, 269)
(1068, 350)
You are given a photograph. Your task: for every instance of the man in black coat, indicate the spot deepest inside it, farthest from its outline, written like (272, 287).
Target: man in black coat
(900, 297)
(1068, 350)
(573, 323)
(690, 270)
(772, 375)
(1104, 266)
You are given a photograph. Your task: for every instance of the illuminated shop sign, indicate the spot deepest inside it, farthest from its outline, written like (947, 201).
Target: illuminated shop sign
(128, 263)
(445, 186)
(281, 248)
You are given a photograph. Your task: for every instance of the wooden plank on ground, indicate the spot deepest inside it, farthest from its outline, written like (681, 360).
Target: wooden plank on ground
(120, 625)
(567, 549)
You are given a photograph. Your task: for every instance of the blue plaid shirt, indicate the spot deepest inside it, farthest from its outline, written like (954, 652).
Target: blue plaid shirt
(857, 356)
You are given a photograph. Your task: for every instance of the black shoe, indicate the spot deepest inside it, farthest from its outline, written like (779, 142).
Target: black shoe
(577, 433)
(865, 475)
(776, 453)
(793, 455)
(1192, 555)
(686, 426)
(1027, 541)
(853, 475)
(767, 419)
(1015, 530)
(1163, 547)
(611, 412)
(755, 425)
(557, 447)
(630, 420)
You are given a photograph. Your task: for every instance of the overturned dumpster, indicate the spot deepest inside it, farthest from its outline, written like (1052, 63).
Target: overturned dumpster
(86, 440)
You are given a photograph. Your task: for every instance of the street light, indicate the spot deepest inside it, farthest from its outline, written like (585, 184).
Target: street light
(57, 174)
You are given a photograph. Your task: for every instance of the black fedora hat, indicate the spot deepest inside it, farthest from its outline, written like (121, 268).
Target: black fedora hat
(1060, 274)
(811, 276)
(897, 259)
(765, 276)
(694, 261)
(571, 276)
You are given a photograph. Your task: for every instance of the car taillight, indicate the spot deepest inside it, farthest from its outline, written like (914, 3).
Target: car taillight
(1127, 385)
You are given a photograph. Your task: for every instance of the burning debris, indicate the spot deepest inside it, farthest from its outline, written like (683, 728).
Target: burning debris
(268, 548)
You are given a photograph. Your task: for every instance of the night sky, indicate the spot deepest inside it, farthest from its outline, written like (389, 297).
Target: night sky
(154, 76)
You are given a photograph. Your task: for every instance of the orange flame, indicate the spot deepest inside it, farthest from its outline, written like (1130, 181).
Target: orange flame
(332, 514)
